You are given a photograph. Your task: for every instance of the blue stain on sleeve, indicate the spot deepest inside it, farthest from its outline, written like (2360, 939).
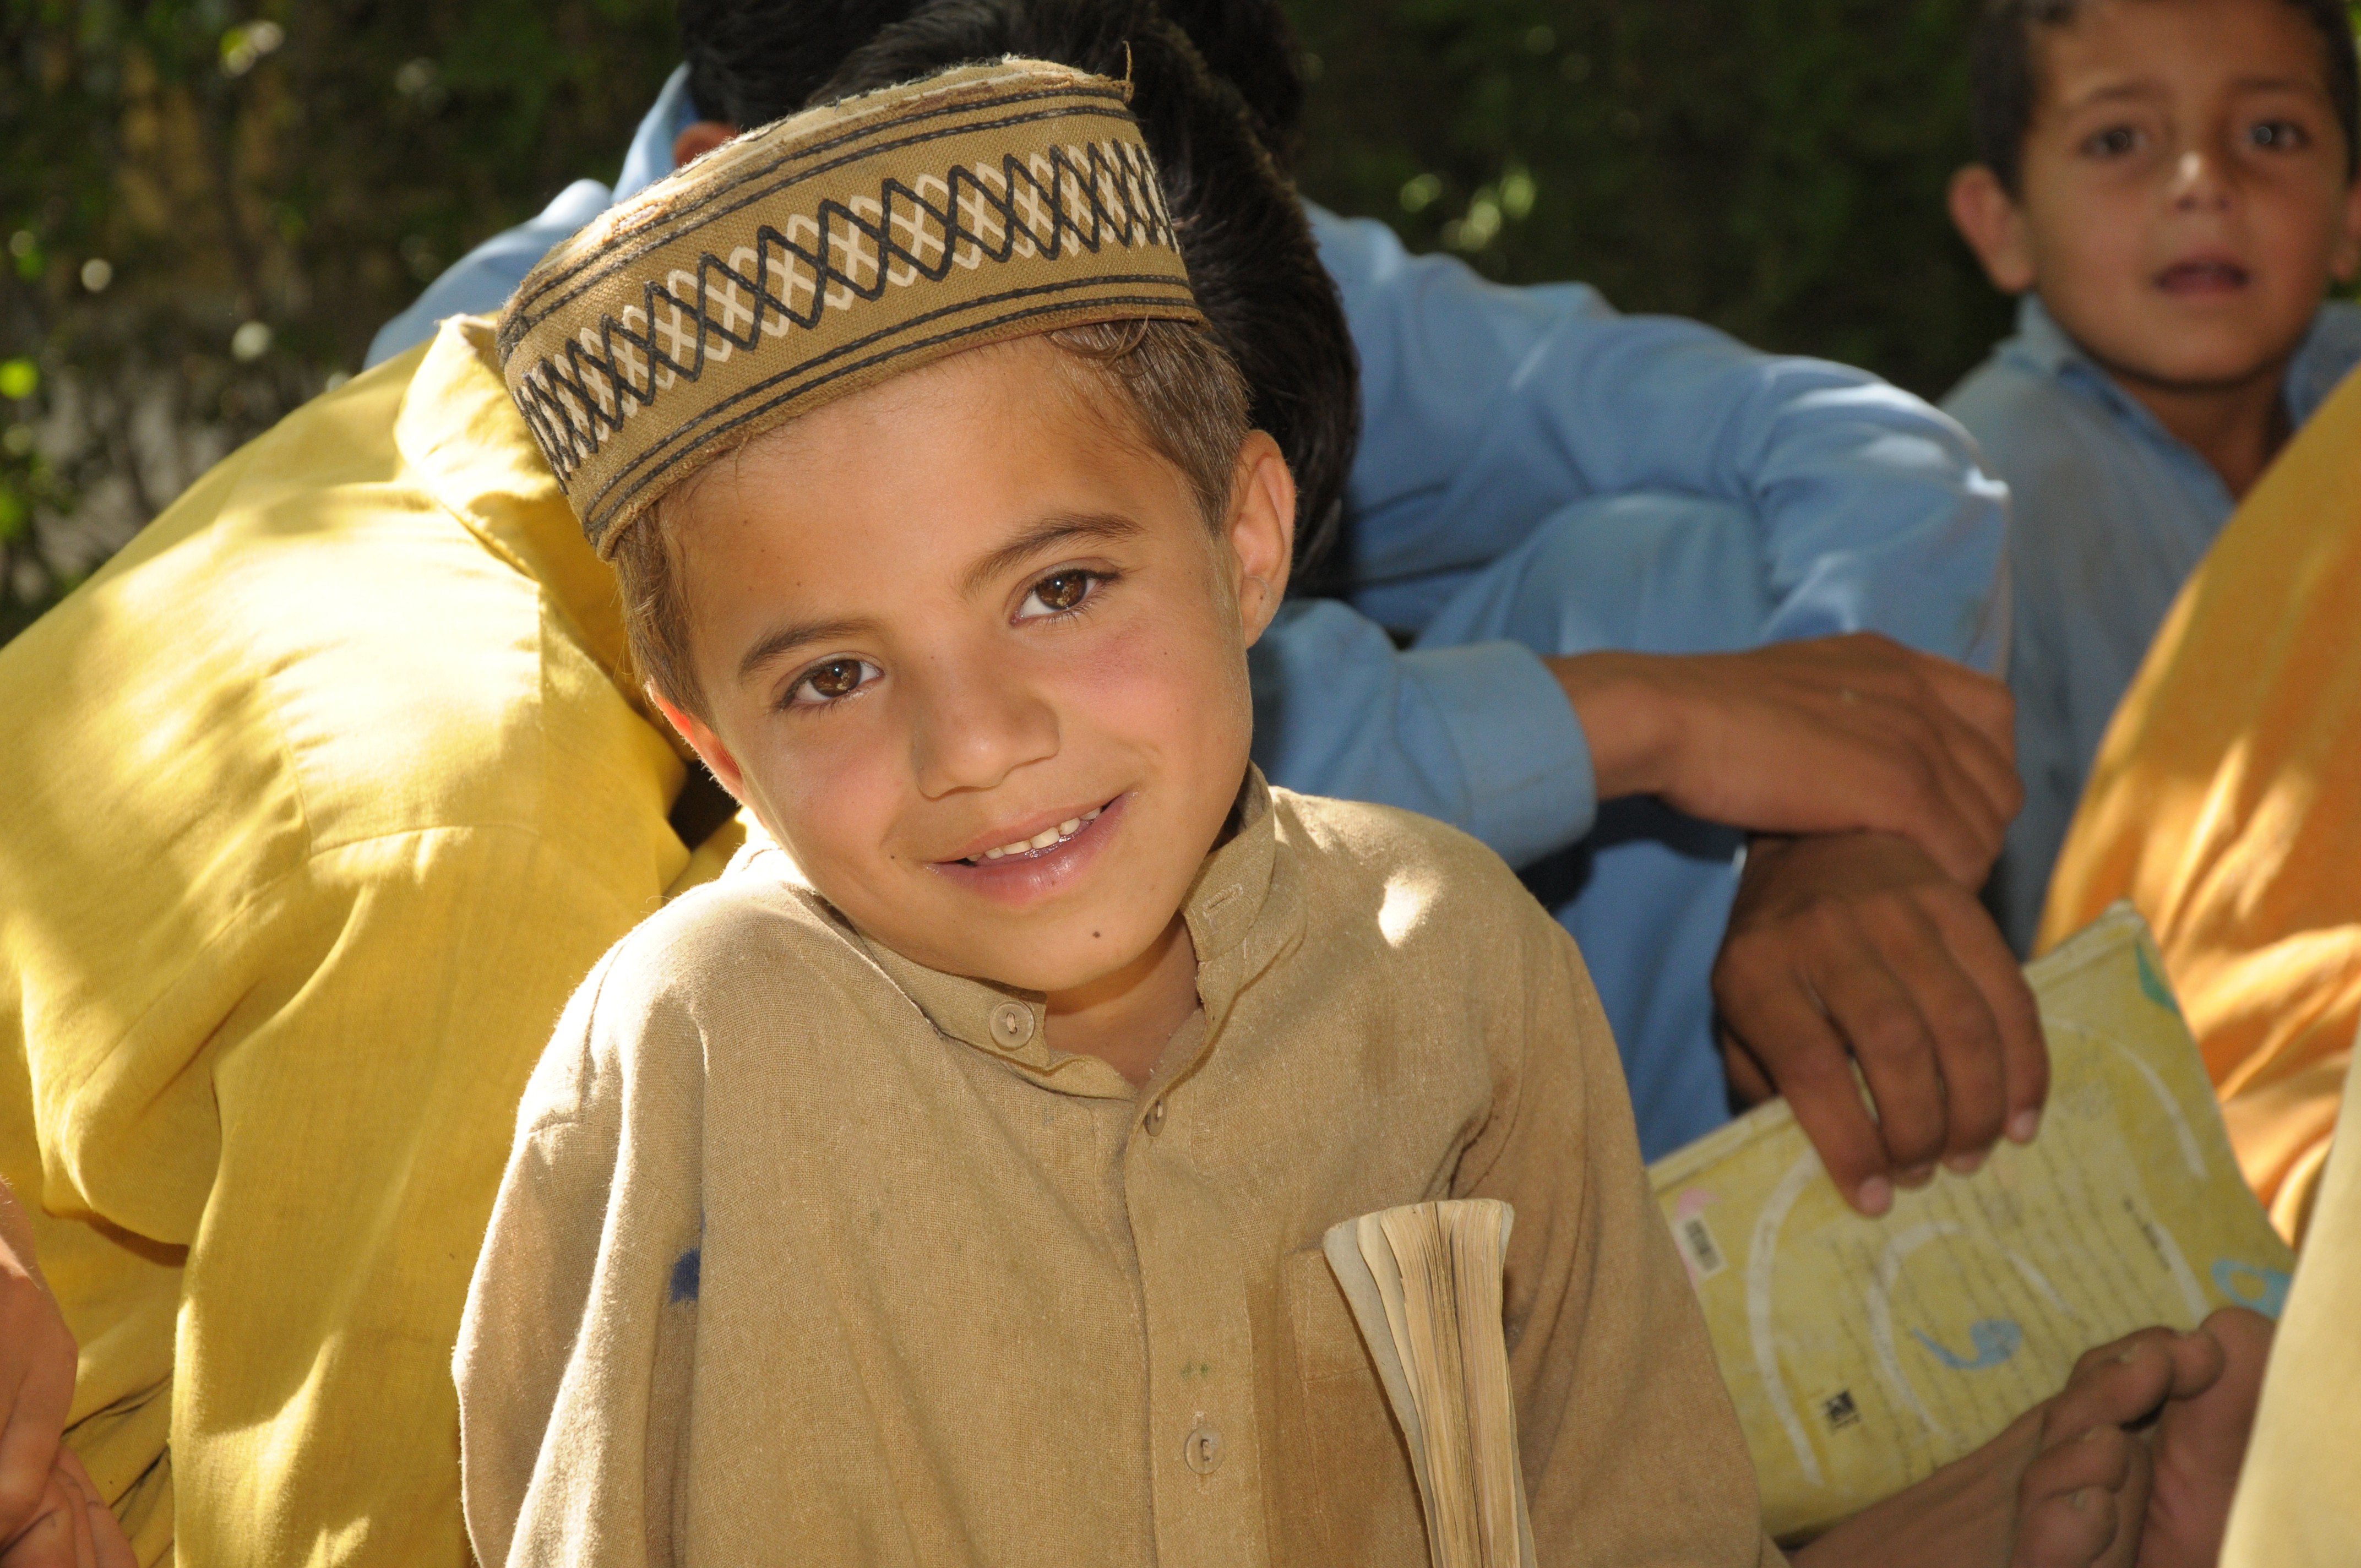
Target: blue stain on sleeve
(686, 1269)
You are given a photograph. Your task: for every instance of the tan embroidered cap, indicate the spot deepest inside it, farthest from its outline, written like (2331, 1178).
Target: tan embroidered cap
(824, 253)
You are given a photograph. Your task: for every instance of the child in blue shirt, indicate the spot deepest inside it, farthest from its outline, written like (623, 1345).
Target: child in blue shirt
(2171, 185)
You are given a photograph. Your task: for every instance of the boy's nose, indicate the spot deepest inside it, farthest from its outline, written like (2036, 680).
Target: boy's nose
(970, 731)
(2198, 182)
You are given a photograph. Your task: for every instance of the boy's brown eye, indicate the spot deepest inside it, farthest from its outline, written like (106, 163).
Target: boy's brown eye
(2113, 142)
(838, 677)
(1063, 590)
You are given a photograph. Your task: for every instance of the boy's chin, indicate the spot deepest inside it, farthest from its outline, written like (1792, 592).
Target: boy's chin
(2199, 347)
(1064, 964)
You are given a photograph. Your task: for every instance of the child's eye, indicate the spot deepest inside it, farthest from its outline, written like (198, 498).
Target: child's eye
(2112, 142)
(2279, 136)
(831, 680)
(1060, 593)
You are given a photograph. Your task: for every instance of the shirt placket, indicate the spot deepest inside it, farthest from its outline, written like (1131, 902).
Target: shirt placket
(1206, 1463)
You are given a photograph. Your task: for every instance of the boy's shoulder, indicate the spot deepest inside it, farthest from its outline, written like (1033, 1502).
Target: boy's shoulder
(754, 936)
(2023, 413)
(1353, 855)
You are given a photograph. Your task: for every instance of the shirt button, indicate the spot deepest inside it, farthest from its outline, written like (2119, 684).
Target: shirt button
(1203, 1449)
(1154, 1123)
(1011, 1023)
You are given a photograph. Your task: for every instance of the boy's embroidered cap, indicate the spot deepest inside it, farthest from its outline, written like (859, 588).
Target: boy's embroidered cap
(824, 253)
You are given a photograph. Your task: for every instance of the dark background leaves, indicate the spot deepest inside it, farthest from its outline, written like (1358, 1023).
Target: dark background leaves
(209, 206)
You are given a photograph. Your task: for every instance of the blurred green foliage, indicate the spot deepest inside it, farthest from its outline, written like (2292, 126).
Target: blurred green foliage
(208, 206)
(1775, 166)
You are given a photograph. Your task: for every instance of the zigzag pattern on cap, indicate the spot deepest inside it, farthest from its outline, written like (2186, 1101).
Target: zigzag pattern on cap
(823, 254)
(1092, 195)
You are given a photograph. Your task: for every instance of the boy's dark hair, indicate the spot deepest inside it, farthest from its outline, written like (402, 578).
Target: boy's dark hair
(751, 61)
(1251, 257)
(2003, 83)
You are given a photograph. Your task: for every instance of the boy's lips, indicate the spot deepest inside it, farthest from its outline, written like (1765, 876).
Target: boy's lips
(1018, 874)
(1037, 834)
(2202, 275)
(1040, 843)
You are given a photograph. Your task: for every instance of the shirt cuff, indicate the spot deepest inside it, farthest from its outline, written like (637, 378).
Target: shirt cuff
(1531, 789)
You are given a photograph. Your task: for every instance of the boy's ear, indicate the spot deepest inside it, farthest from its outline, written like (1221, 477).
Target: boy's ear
(1991, 223)
(706, 744)
(698, 139)
(1261, 531)
(2345, 259)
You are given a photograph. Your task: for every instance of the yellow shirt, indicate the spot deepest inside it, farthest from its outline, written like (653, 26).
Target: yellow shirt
(2297, 1506)
(809, 1254)
(2225, 802)
(321, 799)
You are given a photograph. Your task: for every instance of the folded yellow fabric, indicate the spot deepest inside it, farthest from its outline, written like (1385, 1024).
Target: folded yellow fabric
(2297, 1506)
(2227, 804)
(323, 796)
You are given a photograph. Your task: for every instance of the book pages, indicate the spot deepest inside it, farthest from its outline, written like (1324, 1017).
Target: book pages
(1425, 1282)
(1864, 1354)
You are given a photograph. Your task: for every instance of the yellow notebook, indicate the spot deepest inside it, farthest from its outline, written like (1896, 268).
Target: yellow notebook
(1863, 1353)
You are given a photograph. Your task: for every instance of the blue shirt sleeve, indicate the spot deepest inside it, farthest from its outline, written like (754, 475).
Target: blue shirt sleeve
(1480, 736)
(1486, 408)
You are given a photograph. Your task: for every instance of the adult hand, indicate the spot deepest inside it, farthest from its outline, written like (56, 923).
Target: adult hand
(71, 1528)
(1855, 948)
(1824, 736)
(37, 1372)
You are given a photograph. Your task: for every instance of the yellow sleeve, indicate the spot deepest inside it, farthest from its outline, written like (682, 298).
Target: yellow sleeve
(319, 813)
(364, 1122)
(2297, 1506)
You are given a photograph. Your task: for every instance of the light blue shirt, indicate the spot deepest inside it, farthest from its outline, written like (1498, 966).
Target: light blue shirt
(2113, 512)
(1537, 475)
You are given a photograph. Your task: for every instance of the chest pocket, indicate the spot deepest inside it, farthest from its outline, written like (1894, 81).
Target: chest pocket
(1350, 1475)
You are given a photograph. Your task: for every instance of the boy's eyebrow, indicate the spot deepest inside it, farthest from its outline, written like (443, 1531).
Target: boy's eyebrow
(2117, 91)
(789, 638)
(1058, 530)
(2114, 92)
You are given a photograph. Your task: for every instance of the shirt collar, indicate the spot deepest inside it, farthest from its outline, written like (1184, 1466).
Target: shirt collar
(1243, 912)
(464, 439)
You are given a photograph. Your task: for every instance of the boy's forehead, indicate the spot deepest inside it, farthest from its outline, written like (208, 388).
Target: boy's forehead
(961, 464)
(2135, 50)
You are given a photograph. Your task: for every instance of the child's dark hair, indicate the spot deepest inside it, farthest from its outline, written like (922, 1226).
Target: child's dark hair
(2004, 82)
(1251, 257)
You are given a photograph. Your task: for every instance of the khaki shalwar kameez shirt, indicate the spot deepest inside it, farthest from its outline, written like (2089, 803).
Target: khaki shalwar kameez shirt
(806, 1253)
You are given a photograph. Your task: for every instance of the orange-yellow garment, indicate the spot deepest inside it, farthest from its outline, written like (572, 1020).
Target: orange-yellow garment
(321, 799)
(2227, 804)
(2297, 1506)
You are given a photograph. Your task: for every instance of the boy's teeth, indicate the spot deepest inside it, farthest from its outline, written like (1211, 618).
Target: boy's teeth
(1044, 838)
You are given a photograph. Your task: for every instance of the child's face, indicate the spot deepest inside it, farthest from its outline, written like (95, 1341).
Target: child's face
(2184, 200)
(954, 614)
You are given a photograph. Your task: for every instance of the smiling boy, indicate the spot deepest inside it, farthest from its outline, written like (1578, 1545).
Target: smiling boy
(958, 1189)
(945, 1184)
(2172, 185)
